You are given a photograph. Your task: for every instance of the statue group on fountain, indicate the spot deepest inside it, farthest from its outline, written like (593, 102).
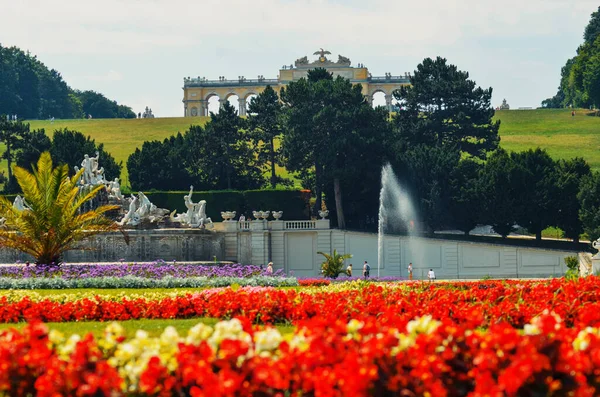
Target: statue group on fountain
(138, 208)
(93, 175)
(195, 215)
(141, 209)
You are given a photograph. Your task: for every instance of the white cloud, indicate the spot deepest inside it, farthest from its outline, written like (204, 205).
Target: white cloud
(154, 43)
(110, 76)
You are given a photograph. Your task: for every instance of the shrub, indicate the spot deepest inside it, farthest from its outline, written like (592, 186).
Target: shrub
(572, 263)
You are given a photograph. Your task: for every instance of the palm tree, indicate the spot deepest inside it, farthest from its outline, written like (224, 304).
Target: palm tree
(333, 265)
(52, 222)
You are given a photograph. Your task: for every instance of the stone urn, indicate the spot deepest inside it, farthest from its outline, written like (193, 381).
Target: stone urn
(323, 214)
(257, 214)
(265, 214)
(228, 215)
(277, 215)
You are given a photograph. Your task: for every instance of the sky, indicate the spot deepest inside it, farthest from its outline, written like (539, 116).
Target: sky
(137, 52)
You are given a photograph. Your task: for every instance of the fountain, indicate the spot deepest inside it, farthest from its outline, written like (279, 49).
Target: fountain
(396, 211)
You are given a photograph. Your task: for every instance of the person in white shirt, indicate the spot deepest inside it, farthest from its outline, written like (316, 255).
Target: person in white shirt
(431, 275)
(242, 218)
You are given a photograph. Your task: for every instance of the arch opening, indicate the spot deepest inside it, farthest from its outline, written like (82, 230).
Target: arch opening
(234, 100)
(213, 104)
(378, 99)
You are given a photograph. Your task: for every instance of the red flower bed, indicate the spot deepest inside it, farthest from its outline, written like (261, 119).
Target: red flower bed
(332, 359)
(313, 282)
(477, 304)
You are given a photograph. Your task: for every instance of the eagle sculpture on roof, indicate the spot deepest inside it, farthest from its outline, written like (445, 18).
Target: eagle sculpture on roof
(322, 54)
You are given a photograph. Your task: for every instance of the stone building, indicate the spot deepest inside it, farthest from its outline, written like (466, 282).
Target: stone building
(198, 91)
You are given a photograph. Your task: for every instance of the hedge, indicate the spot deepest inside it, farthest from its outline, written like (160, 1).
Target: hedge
(291, 202)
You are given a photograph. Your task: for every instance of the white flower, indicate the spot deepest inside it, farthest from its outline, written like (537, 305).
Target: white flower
(267, 341)
(198, 333)
(422, 325)
(531, 329)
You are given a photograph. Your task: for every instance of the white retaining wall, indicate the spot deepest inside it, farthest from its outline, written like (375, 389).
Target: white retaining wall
(295, 250)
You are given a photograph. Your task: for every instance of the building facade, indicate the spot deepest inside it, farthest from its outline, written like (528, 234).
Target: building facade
(198, 91)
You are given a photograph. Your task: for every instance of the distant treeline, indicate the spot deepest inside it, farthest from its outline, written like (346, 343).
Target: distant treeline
(580, 77)
(32, 91)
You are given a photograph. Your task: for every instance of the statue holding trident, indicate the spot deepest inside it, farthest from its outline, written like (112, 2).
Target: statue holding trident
(196, 212)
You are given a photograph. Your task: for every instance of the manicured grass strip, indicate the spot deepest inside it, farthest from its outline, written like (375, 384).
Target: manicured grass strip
(153, 327)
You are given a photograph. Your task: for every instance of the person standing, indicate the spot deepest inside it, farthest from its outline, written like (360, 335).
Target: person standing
(366, 270)
(349, 270)
(270, 268)
(431, 275)
(242, 218)
(410, 271)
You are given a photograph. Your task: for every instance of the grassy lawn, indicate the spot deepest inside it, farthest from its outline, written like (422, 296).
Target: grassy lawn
(153, 327)
(553, 129)
(122, 136)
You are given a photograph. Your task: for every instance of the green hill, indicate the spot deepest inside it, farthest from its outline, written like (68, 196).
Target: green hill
(556, 130)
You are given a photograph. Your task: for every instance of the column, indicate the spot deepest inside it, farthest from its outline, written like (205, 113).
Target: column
(242, 104)
(388, 102)
(185, 111)
(369, 99)
(222, 102)
(203, 111)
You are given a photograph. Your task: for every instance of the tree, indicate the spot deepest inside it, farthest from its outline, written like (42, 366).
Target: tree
(159, 165)
(101, 107)
(534, 185)
(53, 222)
(570, 176)
(333, 265)
(265, 119)
(220, 155)
(498, 192)
(592, 30)
(465, 197)
(69, 147)
(589, 200)
(428, 172)
(31, 148)
(580, 77)
(11, 134)
(31, 90)
(330, 127)
(443, 107)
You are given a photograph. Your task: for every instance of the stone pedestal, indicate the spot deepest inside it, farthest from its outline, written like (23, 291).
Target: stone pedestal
(595, 264)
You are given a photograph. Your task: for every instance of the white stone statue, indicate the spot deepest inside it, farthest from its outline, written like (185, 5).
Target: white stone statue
(19, 204)
(196, 212)
(91, 174)
(131, 218)
(99, 177)
(190, 216)
(146, 208)
(114, 190)
(201, 215)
